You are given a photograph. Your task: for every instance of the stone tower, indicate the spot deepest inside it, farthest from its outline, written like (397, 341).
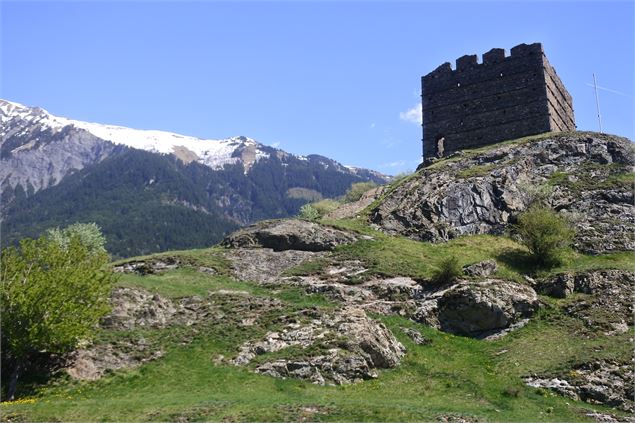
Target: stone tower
(502, 98)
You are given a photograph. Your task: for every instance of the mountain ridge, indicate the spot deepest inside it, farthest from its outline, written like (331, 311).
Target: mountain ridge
(48, 163)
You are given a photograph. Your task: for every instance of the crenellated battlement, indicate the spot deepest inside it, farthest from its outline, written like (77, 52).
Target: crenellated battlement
(492, 57)
(501, 97)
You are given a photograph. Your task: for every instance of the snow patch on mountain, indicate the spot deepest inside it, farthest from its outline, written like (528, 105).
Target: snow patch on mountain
(210, 152)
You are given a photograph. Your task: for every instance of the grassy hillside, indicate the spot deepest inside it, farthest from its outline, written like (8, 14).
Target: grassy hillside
(452, 376)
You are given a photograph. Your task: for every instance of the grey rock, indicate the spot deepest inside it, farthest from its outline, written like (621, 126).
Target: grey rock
(416, 336)
(150, 266)
(38, 155)
(264, 265)
(478, 309)
(355, 345)
(598, 382)
(481, 269)
(133, 308)
(290, 234)
(559, 286)
(612, 290)
(93, 363)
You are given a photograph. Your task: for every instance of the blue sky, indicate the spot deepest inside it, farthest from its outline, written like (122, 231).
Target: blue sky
(331, 78)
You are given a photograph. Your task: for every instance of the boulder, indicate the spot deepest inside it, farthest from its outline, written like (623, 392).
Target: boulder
(290, 234)
(478, 309)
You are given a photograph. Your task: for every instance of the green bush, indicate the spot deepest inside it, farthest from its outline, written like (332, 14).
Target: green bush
(326, 206)
(356, 191)
(447, 271)
(308, 212)
(545, 234)
(52, 296)
(89, 235)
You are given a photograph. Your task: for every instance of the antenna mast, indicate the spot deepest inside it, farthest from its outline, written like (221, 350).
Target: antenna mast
(597, 101)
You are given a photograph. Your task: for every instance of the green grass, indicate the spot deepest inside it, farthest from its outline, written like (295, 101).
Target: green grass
(186, 282)
(208, 257)
(399, 256)
(453, 375)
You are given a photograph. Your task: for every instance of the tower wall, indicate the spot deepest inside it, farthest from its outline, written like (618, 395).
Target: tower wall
(503, 97)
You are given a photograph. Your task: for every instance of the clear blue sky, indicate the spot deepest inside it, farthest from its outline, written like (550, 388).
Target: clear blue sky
(332, 78)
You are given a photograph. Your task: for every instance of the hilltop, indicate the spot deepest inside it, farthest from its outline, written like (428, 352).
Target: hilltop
(341, 319)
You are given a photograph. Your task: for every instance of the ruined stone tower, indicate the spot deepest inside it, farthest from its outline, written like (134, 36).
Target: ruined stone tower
(499, 99)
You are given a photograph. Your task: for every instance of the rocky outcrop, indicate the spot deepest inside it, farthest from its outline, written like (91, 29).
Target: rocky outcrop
(477, 309)
(133, 308)
(599, 382)
(608, 305)
(147, 267)
(290, 234)
(349, 345)
(93, 363)
(140, 309)
(477, 193)
(263, 265)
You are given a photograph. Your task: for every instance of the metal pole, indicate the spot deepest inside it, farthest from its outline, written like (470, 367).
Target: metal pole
(597, 101)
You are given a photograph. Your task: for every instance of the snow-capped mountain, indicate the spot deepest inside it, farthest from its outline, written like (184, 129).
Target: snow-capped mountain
(24, 129)
(55, 170)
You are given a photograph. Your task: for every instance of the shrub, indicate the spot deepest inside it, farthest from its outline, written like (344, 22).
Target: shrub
(308, 212)
(545, 234)
(356, 191)
(536, 194)
(326, 206)
(52, 296)
(447, 271)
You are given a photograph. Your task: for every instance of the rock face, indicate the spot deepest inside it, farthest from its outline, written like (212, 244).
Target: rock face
(290, 234)
(481, 193)
(478, 309)
(350, 346)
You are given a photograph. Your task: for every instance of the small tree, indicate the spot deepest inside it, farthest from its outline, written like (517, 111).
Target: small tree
(308, 212)
(52, 296)
(545, 233)
(447, 271)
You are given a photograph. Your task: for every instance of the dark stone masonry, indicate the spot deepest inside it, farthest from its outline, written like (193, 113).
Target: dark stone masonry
(502, 98)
